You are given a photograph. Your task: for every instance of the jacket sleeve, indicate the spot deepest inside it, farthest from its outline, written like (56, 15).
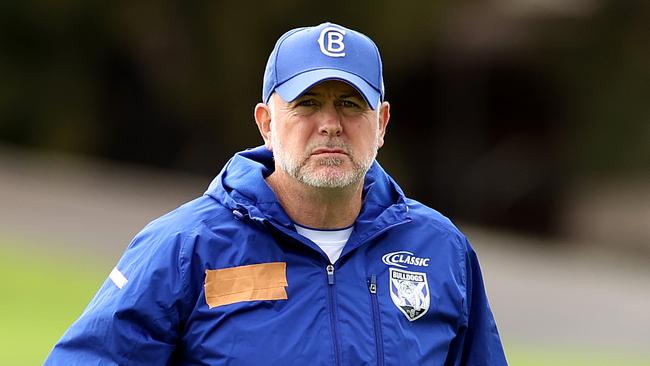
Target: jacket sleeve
(477, 342)
(134, 318)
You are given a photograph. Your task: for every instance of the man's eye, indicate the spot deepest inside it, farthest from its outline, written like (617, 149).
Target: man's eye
(350, 104)
(306, 103)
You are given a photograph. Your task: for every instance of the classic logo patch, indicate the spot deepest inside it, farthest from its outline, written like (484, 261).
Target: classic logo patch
(402, 258)
(410, 292)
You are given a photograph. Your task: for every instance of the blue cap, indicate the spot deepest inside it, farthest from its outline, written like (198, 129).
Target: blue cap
(303, 57)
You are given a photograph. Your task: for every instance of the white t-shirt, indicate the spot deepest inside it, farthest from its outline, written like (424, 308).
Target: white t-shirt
(330, 241)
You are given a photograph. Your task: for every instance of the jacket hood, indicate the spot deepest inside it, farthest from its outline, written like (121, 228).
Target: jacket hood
(241, 185)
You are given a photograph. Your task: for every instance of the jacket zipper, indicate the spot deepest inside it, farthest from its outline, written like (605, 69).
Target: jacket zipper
(376, 321)
(333, 321)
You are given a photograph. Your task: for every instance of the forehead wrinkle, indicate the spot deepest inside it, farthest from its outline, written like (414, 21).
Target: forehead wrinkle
(351, 95)
(336, 94)
(332, 87)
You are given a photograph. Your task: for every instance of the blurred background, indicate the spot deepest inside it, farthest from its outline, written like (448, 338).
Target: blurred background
(527, 122)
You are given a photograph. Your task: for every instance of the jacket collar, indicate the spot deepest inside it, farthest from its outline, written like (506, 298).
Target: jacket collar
(241, 185)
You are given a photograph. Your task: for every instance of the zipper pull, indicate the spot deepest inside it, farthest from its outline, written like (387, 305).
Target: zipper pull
(373, 284)
(330, 274)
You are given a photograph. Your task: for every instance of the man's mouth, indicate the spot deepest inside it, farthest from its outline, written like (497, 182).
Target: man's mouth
(328, 151)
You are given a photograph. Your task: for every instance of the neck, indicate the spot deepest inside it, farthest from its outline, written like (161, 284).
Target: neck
(320, 208)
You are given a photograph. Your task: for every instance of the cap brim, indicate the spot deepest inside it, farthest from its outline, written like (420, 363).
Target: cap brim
(297, 85)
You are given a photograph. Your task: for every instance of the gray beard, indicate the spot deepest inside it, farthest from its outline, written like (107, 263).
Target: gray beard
(300, 170)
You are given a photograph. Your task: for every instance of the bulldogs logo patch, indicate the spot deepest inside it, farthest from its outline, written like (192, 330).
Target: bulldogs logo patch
(410, 292)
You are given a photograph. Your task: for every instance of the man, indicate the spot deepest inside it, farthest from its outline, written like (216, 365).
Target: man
(301, 252)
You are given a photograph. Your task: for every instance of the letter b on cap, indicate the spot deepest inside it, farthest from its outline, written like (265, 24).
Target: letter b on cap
(331, 42)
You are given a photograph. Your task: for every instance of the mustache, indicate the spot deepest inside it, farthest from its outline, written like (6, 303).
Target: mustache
(329, 145)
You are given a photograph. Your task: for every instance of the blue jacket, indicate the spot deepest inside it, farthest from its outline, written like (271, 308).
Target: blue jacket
(407, 289)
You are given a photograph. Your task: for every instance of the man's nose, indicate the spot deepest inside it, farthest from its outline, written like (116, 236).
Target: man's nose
(330, 122)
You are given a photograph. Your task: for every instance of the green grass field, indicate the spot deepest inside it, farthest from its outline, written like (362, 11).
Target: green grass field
(44, 291)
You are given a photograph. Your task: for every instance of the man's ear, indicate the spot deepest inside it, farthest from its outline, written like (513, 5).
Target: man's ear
(384, 117)
(263, 120)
